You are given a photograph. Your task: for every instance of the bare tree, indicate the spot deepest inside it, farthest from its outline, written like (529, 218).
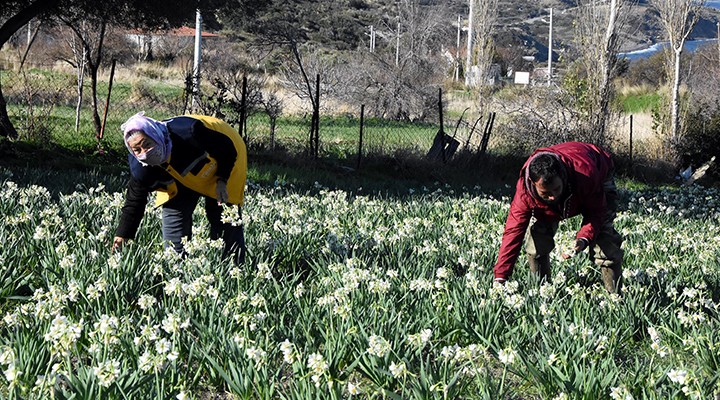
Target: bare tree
(598, 36)
(484, 17)
(704, 82)
(78, 60)
(678, 19)
(387, 80)
(18, 13)
(273, 107)
(15, 14)
(91, 38)
(226, 73)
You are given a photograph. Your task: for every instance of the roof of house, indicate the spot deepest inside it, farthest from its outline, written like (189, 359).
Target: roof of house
(183, 31)
(187, 31)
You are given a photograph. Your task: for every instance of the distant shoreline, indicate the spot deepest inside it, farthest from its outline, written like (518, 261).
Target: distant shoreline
(647, 51)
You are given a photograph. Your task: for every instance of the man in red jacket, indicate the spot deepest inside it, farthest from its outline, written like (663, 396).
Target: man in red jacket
(556, 183)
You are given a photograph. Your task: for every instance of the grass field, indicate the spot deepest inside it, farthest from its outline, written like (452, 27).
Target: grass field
(345, 294)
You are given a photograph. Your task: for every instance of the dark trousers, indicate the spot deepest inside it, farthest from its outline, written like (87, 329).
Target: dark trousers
(605, 250)
(177, 223)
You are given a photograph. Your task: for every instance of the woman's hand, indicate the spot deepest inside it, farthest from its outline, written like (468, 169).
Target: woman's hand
(221, 191)
(118, 242)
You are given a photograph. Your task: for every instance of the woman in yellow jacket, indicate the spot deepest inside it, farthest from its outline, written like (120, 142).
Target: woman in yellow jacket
(183, 158)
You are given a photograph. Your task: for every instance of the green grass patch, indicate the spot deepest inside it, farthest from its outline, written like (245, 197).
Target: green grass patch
(638, 102)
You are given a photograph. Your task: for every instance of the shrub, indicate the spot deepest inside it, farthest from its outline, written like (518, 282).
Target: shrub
(646, 71)
(701, 140)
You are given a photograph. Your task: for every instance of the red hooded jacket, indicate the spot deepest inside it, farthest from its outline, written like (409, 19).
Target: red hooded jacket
(587, 168)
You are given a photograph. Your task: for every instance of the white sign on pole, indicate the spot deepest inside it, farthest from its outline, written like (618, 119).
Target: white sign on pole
(522, 78)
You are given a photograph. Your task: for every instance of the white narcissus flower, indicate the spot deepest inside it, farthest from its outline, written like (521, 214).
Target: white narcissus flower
(299, 290)
(145, 361)
(679, 376)
(173, 355)
(7, 355)
(171, 323)
(507, 356)
(419, 339)
(378, 346)
(398, 370)
(107, 372)
(620, 393)
(288, 350)
(146, 301)
(654, 335)
(163, 346)
(352, 389)
(264, 271)
(552, 359)
(12, 374)
(255, 354)
(441, 273)
(63, 334)
(317, 363)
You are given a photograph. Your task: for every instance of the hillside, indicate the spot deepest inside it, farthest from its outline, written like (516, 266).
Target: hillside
(345, 25)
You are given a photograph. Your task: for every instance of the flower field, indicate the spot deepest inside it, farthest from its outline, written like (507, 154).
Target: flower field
(351, 295)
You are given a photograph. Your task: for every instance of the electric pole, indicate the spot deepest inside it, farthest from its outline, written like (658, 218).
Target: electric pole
(468, 61)
(196, 61)
(550, 44)
(457, 52)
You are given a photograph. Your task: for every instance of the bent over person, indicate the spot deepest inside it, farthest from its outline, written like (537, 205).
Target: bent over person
(184, 158)
(556, 183)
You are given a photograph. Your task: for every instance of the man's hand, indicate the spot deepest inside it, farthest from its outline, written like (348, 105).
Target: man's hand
(580, 245)
(118, 242)
(221, 191)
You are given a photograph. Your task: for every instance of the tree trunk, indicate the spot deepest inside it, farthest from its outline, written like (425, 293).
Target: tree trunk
(81, 83)
(94, 66)
(675, 102)
(607, 66)
(12, 25)
(6, 127)
(95, 104)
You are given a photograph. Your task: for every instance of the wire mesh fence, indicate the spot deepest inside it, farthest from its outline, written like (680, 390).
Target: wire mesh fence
(45, 103)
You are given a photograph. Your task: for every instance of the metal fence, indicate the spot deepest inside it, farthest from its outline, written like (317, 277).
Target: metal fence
(44, 107)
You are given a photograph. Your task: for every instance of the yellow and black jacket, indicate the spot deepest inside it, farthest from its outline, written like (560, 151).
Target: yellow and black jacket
(204, 149)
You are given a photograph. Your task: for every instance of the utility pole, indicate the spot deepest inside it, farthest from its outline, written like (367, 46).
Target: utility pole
(468, 61)
(457, 52)
(550, 40)
(196, 61)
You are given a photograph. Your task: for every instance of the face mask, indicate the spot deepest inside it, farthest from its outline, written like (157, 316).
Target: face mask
(151, 157)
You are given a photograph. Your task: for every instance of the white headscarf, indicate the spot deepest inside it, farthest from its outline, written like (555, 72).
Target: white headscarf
(155, 130)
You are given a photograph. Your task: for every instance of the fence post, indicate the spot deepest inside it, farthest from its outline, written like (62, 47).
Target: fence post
(631, 142)
(317, 115)
(107, 102)
(442, 126)
(360, 142)
(243, 105)
(486, 133)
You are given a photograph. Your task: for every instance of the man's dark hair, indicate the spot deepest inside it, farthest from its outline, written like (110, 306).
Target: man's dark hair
(546, 166)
